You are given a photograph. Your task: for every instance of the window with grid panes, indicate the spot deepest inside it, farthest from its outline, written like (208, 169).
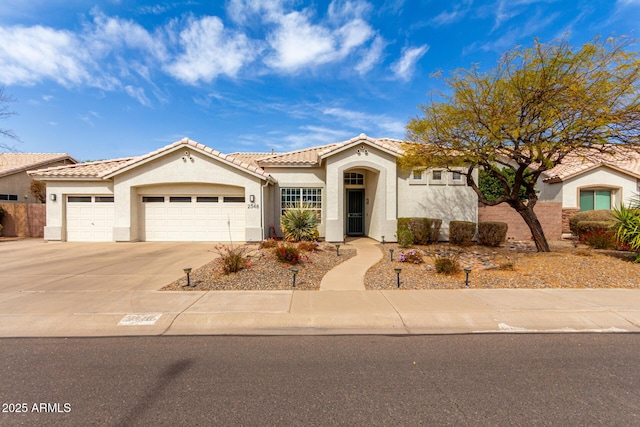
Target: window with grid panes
(308, 198)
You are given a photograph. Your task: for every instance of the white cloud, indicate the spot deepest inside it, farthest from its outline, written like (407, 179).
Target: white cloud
(372, 56)
(365, 122)
(29, 55)
(405, 66)
(138, 94)
(310, 136)
(209, 50)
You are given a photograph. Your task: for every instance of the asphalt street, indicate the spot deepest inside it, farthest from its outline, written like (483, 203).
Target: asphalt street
(515, 379)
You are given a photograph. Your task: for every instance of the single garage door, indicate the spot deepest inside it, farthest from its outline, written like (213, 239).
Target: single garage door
(90, 218)
(192, 219)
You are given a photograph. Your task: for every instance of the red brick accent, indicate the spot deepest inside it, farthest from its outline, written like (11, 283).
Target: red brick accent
(566, 214)
(549, 214)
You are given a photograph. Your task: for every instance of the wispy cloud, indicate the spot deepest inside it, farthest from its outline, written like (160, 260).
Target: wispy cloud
(366, 122)
(209, 50)
(405, 66)
(372, 56)
(138, 94)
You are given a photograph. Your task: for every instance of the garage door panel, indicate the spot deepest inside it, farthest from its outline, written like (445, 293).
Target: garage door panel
(192, 221)
(90, 221)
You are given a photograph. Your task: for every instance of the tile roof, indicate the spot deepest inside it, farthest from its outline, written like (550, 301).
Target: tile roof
(312, 156)
(108, 168)
(98, 169)
(623, 158)
(11, 163)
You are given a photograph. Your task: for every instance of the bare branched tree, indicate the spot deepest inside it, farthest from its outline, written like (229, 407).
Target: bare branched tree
(5, 113)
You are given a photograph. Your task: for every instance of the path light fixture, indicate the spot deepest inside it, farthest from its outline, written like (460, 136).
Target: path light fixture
(294, 270)
(391, 252)
(467, 270)
(398, 270)
(338, 249)
(187, 271)
(383, 240)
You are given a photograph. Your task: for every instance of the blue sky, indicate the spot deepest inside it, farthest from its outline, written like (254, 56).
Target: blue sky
(115, 78)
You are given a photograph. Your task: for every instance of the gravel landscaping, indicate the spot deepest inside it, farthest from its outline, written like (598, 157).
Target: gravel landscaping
(513, 265)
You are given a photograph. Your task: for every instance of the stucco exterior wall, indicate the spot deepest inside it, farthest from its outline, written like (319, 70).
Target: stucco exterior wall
(447, 200)
(173, 174)
(56, 220)
(300, 177)
(622, 185)
(381, 213)
(20, 183)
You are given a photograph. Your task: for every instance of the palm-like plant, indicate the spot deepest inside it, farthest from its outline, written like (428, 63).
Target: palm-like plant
(627, 224)
(299, 223)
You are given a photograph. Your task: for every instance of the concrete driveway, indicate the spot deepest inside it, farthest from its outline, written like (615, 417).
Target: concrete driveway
(36, 265)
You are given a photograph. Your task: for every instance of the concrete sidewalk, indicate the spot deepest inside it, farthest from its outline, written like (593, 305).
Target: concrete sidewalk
(108, 313)
(112, 290)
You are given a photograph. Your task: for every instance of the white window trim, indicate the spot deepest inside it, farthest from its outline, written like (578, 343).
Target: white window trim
(418, 181)
(461, 181)
(441, 181)
(318, 209)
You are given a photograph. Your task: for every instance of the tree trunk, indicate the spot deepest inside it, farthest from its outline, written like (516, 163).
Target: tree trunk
(537, 233)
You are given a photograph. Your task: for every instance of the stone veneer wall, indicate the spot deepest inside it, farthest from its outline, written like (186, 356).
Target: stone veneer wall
(550, 215)
(566, 214)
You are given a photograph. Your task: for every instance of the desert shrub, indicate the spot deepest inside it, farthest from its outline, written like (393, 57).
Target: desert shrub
(627, 226)
(232, 259)
(308, 246)
(596, 215)
(461, 232)
(287, 253)
(600, 238)
(446, 264)
(405, 238)
(413, 256)
(268, 244)
(492, 233)
(299, 224)
(424, 230)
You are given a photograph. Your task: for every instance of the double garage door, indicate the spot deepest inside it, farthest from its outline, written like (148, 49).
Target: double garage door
(162, 218)
(192, 218)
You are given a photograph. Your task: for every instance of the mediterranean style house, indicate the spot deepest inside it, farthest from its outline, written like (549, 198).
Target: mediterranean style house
(187, 191)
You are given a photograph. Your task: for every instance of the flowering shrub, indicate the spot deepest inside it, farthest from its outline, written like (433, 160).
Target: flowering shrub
(308, 246)
(600, 239)
(411, 256)
(268, 244)
(232, 259)
(287, 253)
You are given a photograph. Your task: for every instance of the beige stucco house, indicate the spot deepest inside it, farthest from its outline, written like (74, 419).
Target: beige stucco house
(594, 179)
(189, 192)
(15, 183)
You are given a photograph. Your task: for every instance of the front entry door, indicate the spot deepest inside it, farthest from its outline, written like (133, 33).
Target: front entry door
(355, 212)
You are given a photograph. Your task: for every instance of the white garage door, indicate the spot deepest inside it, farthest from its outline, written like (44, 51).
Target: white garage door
(192, 219)
(90, 218)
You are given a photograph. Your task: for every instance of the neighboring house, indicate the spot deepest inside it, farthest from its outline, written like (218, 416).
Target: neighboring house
(189, 192)
(15, 183)
(593, 179)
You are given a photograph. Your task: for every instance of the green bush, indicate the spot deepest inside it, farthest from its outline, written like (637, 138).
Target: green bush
(405, 238)
(424, 230)
(596, 215)
(232, 259)
(461, 232)
(492, 233)
(287, 253)
(627, 226)
(299, 224)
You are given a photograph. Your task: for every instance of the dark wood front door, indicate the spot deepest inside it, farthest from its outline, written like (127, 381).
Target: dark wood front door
(355, 212)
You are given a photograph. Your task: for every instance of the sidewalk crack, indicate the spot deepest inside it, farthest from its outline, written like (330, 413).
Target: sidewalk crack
(181, 313)
(406, 328)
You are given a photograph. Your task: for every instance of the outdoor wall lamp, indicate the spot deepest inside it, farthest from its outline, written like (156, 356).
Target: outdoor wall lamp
(252, 198)
(391, 252)
(52, 197)
(294, 270)
(338, 249)
(398, 270)
(467, 270)
(187, 271)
